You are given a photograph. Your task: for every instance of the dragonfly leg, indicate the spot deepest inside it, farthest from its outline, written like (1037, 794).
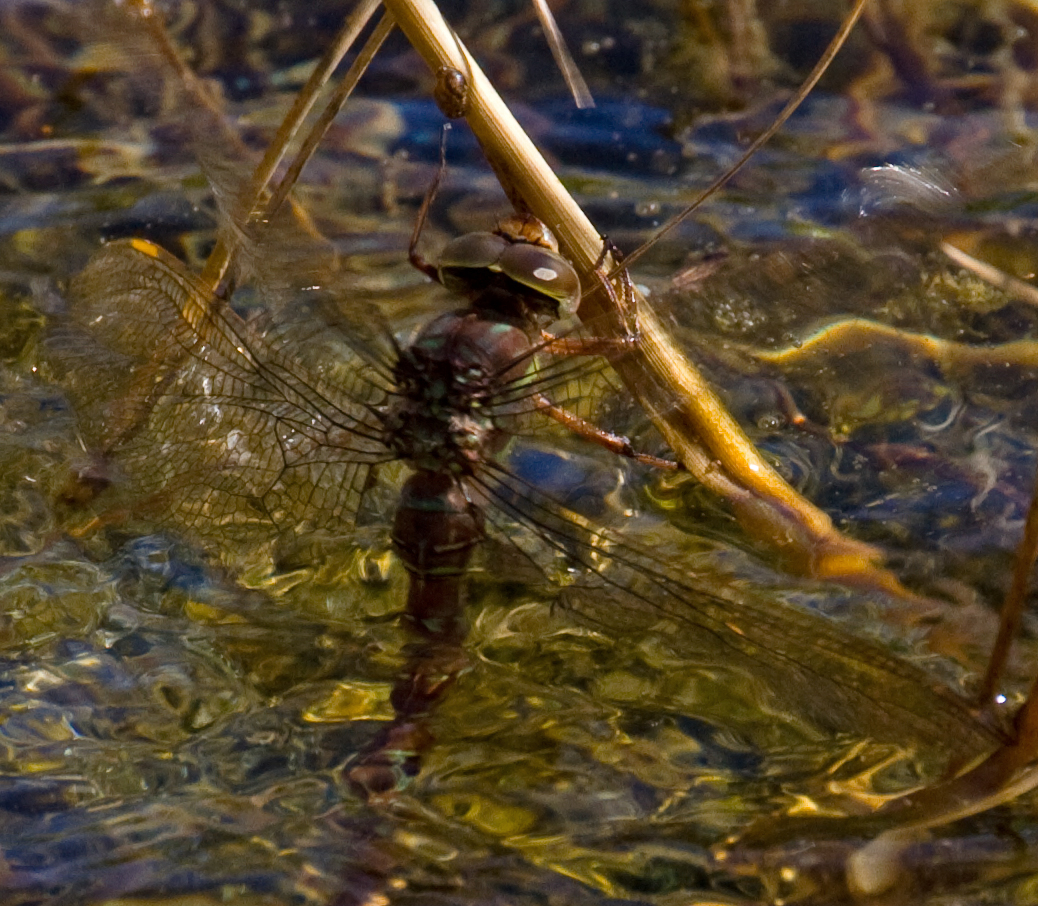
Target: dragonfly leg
(624, 304)
(417, 259)
(609, 347)
(615, 443)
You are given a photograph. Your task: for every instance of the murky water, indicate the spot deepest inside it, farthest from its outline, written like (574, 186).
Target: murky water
(175, 729)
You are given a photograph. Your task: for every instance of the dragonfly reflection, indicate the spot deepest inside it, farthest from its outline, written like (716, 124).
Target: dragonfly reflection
(233, 431)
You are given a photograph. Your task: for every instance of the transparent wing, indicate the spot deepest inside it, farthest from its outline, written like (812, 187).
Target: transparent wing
(302, 277)
(808, 665)
(225, 432)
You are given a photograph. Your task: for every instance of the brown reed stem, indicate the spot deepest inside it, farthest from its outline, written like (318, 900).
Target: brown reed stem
(692, 418)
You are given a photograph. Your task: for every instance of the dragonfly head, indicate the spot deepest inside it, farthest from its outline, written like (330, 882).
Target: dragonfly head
(518, 262)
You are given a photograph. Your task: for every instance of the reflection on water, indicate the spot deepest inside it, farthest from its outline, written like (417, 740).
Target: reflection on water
(173, 731)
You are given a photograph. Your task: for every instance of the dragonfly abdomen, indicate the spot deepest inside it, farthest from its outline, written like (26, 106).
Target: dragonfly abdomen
(435, 531)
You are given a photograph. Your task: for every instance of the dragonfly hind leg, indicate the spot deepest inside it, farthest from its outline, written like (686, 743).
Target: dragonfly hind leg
(615, 443)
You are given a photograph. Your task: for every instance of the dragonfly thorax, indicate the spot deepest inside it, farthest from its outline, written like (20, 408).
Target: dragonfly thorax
(446, 380)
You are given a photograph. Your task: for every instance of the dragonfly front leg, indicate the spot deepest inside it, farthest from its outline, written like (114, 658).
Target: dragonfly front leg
(624, 304)
(609, 348)
(417, 259)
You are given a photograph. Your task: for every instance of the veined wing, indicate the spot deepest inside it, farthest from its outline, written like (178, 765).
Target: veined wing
(805, 664)
(221, 429)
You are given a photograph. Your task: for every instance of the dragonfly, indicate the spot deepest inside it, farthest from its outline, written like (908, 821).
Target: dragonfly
(233, 429)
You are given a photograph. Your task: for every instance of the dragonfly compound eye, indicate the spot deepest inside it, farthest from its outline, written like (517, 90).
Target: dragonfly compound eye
(546, 273)
(470, 261)
(475, 262)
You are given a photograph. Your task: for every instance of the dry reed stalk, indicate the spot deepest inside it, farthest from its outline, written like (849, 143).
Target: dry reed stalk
(691, 417)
